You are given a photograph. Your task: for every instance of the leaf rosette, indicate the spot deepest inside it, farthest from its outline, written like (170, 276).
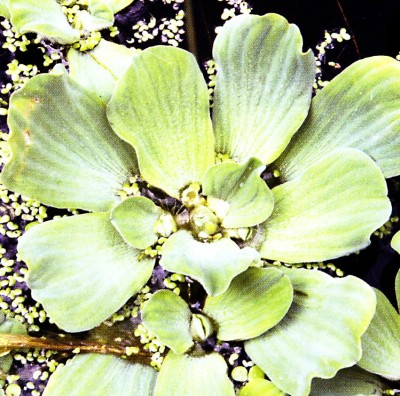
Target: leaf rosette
(76, 144)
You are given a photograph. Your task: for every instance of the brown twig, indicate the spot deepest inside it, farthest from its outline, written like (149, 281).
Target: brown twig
(353, 37)
(10, 342)
(190, 27)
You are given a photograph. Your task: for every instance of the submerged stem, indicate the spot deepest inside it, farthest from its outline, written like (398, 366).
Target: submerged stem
(10, 342)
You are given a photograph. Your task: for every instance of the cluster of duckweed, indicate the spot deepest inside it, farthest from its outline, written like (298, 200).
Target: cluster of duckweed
(330, 41)
(169, 30)
(387, 229)
(13, 40)
(88, 41)
(327, 267)
(129, 189)
(236, 7)
(211, 70)
(34, 368)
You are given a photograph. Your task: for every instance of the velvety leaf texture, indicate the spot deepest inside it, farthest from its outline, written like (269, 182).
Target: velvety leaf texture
(320, 334)
(64, 153)
(81, 270)
(360, 108)
(161, 107)
(93, 375)
(328, 211)
(263, 86)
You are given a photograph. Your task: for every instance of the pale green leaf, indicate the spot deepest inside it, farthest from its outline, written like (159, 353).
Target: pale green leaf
(8, 326)
(360, 108)
(99, 69)
(212, 264)
(396, 242)
(101, 16)
(81, 270)
(381, 341)
(349, 382)
(64, 153)
(240, 185)
(328, 211)
(44, 17)
(397, 288)
(255, 301)
(135, 220)
(161, 107)
(193, 375)
(6, 362)
(320, 334)
(168, 316)
(5, 9)
(94, 375)
(260, 387)
(263, 86)
(91, 23)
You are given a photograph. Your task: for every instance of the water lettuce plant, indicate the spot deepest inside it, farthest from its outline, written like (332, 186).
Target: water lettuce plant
(47, 17)
(271, 175)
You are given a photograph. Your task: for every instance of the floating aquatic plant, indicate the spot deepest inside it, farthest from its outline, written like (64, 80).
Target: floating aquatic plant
(272, 175)
(62, 24)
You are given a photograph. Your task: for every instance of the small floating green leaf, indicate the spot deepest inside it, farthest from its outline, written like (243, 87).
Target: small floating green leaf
(168, 316)
(240, 185)
(255, 301)
(213, 264)
(135, 219)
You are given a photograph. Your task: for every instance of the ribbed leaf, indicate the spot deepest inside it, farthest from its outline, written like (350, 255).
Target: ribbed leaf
(190, 375)
(64, 152)
(167, 316)
(135, 218)
(160, 106)
(349, 382)
(320, 334)
(93, 375)
(328, 211)
(213, 264)
(360, 108)
(255, 301)
(263, 87)
(81, 270)
(381, 341)
(99, 69)
(44, 17)
(240, 185)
